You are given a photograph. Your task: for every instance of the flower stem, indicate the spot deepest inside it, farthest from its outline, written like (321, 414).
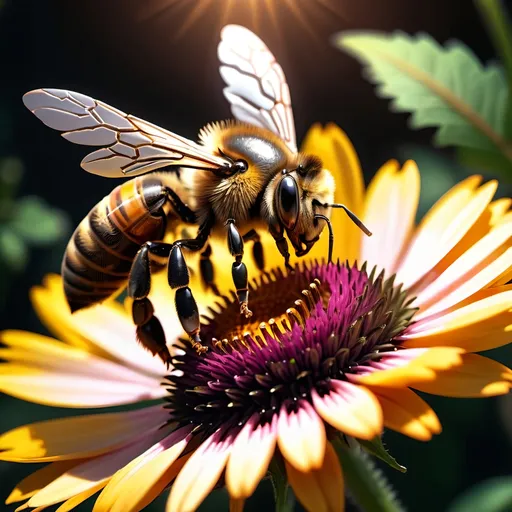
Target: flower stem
(284, 499)
(500, 31)
(367, 484)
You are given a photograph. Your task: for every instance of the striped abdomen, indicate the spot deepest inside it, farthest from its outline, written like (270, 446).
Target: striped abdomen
(100, 253)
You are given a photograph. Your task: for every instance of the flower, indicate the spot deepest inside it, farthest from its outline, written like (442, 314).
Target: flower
(331, 348)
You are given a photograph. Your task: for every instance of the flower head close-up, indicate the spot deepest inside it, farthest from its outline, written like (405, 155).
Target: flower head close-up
(334, 354)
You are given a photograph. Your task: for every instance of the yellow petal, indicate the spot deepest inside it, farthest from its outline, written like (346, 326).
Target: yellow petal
(481, 325)
(479, 267)
(351, 409)
(477, 377)
(338, 155)
(443, 227)
(424, 368)
(498, 209)
(144, 478)
(249, 459)
(301, 437)
(80, 498)
(390, 209)
(43, 370)
(105, 329)
(199, 474)
(39, 479)
(93, 473)
(50, 306)
(320, 490)
(78, 437)
(405, 412)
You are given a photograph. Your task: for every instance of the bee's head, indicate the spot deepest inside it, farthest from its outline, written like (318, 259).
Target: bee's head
(302, 204)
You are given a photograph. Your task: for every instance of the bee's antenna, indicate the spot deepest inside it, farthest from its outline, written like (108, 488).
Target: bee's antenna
(331, 234)
(353, 217)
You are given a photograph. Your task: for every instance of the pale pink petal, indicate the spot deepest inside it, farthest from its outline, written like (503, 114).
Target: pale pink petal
(390, 210)
(112, 331)
(301, 437)
(92, 472)
(351, 409)
(443, 227)
(80, 436)
(38, 350)
(480, 265)
(483, 324)
(144, 478)
(200, 474)
(43, 370)
(470, 285)
(68, 390)
(250, 456)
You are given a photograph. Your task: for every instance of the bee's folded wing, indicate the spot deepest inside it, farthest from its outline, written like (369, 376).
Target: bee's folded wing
(256, 85)
(133, 146)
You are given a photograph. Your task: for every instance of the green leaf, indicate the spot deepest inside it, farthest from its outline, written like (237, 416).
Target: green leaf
(439, 173)
(376, 448)
(444, 87)
(284, 499)
(493, 495)
(479, 159)
(38, 223)
(11, 172)
(13, 251)
(367, 484)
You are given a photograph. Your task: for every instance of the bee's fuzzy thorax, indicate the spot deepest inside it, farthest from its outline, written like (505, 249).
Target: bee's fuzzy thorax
(236, 196)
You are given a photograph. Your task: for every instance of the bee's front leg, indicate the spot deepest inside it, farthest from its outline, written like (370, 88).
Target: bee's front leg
(281, 244)
(178, 278)
(239, 270)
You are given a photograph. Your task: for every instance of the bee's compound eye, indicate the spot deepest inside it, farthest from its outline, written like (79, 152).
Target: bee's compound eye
(241, 166)
(288, 201)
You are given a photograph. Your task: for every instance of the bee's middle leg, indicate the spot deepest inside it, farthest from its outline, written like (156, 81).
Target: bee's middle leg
(239, 270)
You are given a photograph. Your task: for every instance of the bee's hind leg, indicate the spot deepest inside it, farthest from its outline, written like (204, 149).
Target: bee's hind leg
(239, 270)
(257, 248)
(150, 332)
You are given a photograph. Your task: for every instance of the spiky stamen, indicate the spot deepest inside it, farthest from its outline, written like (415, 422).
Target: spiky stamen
(310, 327)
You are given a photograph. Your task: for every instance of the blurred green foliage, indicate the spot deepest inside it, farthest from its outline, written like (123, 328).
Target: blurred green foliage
(446, 87)
(493, 495)
(25, 223)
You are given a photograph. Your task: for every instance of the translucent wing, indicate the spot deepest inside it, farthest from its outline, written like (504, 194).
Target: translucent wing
(256, 85)
(133, 146)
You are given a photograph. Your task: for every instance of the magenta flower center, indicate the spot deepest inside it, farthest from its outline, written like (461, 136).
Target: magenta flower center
(309, 328)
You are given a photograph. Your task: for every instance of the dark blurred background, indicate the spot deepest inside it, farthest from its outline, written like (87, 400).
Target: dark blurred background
(157, 60)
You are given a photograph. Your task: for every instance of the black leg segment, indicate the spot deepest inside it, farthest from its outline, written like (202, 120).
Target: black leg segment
(281, 244)
(178, 278)
(186, 306)
(239, 270)
(149, 329)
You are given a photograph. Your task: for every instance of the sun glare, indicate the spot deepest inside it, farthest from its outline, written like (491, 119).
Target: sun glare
(254, 12)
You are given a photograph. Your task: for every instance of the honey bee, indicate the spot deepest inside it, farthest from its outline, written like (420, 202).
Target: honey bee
(243, 176)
